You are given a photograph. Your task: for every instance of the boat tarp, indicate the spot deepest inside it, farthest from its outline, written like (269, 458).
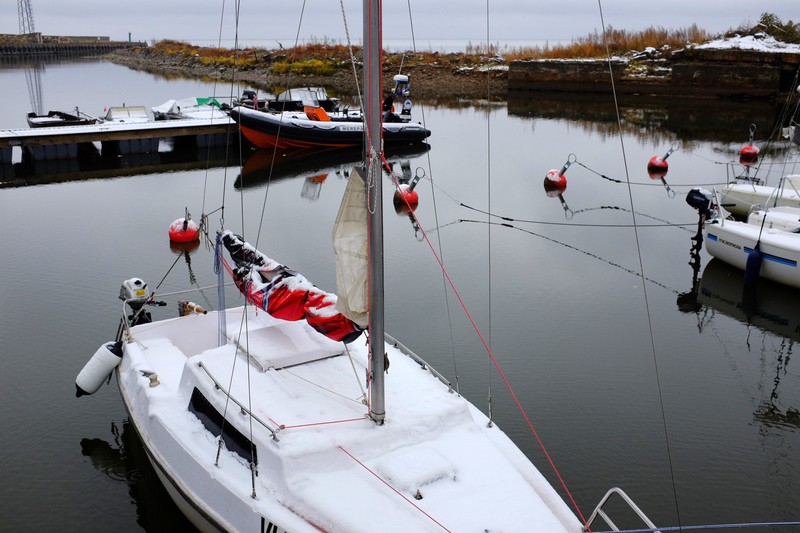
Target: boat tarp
(285, 293)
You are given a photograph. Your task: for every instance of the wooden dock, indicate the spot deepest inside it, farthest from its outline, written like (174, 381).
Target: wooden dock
(115, 138)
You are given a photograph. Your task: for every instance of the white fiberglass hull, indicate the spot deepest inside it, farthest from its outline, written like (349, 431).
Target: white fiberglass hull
(433, 464)
(731, 241)
(740, 198)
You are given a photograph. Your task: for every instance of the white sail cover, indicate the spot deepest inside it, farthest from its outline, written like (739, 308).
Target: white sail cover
(350, 249)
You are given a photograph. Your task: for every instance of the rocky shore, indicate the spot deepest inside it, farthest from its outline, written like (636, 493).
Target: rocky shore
(430, 81)
(740, 67)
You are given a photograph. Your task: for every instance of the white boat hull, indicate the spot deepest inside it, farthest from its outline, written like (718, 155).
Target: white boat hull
(740, 198)
(731, 241)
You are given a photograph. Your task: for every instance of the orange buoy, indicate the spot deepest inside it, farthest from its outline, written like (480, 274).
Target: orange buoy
(184, 230)
(657, 167)
(657, 163)
(405, 199)
(555, 180)
(748, 155)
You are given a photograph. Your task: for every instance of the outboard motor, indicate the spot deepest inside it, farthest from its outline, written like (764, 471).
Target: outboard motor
(402, 89)
(248, 98)
(702, 200)
(134, 293)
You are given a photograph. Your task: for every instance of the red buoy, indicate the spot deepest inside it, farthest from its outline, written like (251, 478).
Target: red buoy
(405, 199)
(555, 181)
(657, 167)
(748, 155)
(184, 230)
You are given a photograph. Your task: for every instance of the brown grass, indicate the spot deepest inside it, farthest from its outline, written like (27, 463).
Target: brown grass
(326, 56)
(615, 42)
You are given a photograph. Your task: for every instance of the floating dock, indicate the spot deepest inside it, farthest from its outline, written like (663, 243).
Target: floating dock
(65, 142)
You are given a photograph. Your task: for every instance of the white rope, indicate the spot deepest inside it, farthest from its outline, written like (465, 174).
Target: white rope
(352, 57)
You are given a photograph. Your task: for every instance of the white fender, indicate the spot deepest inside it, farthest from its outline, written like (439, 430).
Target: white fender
(98, 368)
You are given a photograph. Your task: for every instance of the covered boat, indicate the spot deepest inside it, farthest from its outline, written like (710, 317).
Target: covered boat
(59, 118)
(202, 108)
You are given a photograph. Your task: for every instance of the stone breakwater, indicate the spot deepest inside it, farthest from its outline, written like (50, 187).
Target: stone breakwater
(688, 73)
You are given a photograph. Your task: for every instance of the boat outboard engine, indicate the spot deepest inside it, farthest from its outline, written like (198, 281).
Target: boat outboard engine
(134, 293)
(402, 89)
(702, 200)
(248, 98)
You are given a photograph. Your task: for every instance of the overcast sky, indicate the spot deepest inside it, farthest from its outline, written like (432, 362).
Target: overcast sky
(268, 22)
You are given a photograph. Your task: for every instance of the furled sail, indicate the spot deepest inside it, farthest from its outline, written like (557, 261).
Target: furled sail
(284, 293)
(350, 249)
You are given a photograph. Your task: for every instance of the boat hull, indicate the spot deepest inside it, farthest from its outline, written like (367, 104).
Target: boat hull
(267, 130)
(739, 199)
(312, 476)
(732, 241)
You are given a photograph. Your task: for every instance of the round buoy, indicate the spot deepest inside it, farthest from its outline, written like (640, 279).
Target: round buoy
(555, 181)
(748, 155)
(657, 167)
(405, 200)
(184, 230)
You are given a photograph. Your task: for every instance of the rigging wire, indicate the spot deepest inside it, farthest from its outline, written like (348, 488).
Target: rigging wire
(488, 217)
(641, 268)
(434, 186)
(486, 347)
(243, 325)
(571, 247)
(278, 134)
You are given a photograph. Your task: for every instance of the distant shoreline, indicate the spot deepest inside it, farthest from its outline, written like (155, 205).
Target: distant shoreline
(690, 73)
(427, 81)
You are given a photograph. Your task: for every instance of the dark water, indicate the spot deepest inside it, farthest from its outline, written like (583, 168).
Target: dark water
(671, 388)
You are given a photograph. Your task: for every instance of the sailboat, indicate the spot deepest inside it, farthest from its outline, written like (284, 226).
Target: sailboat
(277, 416)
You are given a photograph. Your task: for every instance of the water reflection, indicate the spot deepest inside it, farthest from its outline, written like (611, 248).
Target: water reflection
(767, 305)
(91, 164)
(123, 458)
(657, 119)
(266, 164)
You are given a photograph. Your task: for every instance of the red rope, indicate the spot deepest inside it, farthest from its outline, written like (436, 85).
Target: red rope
(322, 423)
(365, 467)
(486, 347)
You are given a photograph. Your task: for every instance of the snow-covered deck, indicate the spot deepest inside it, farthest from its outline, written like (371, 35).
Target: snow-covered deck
(434, 464)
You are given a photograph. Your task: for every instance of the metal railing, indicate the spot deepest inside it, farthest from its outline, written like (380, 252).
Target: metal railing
(598, 511)
(245, 410)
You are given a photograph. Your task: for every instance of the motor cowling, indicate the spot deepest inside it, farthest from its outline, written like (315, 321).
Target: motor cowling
(134, 292)
(700, 199)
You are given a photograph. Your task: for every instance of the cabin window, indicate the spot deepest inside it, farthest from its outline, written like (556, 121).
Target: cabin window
(234, 439)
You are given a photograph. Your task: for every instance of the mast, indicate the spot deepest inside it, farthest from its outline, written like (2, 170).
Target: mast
(373, 148)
